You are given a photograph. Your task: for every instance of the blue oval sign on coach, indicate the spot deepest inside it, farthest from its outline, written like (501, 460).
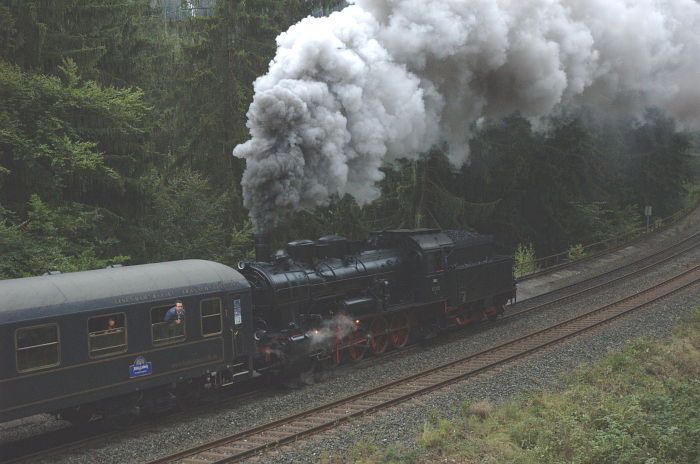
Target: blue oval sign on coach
(140, 368)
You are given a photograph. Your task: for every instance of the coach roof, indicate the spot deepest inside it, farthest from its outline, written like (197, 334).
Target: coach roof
(60, 294)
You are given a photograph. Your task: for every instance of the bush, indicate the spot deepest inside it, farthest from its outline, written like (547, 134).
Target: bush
(480, 409)
(575, 252)
(524, 260)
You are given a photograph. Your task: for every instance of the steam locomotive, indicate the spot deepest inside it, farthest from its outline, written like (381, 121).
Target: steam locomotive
(99, 343)
(343, 300)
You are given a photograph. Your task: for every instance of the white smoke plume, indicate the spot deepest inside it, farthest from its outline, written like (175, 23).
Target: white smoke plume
(389, 79)
(330, 331)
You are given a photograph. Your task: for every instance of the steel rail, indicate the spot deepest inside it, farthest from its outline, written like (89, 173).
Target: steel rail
(251, 442)
(98, 431)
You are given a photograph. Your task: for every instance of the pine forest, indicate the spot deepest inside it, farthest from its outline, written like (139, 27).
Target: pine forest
(118, 120)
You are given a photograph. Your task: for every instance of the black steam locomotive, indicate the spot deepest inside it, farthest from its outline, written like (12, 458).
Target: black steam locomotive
(342, 300)
(99, 343)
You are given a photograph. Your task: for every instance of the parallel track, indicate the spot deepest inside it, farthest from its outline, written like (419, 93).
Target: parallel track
(96, 432)
(254, 441)
(605, 279)
(613, 249)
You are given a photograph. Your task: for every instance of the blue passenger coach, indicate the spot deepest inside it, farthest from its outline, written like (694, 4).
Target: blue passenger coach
(97, 342)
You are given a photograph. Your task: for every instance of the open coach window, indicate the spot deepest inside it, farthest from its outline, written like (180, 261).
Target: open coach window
(107, 334)
(164, 330)
(37, 347)
(211, 316)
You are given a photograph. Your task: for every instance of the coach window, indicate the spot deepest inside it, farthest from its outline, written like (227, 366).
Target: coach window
(37, 347)
(107, 334)
(163, 331)
(211, 316)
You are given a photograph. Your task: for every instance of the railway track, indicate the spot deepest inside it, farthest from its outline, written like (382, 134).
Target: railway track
(96, 433)
(608, 278)
(254, 441)
(93, 433)
(613, 249)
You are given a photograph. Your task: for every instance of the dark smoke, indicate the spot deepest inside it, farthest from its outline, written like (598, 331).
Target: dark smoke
(389, 79)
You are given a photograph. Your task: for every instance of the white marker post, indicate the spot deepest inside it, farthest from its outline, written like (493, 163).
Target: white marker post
(647, 213)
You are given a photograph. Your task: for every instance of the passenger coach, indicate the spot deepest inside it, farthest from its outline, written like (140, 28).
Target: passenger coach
(97, 342)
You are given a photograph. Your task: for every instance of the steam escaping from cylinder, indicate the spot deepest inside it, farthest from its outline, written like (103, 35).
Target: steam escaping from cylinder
(388, 79)
(331, 331)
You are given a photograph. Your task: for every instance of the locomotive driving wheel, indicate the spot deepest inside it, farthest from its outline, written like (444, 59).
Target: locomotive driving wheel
(356, 345)
(379, 335)
(400, 330)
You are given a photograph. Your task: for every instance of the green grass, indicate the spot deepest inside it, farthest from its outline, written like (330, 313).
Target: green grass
(641, 405)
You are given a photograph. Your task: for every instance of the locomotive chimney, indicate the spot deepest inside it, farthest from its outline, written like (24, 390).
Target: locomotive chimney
(262, 247)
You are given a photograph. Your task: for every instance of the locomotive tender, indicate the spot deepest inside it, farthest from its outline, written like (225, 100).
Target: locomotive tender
(97, 343)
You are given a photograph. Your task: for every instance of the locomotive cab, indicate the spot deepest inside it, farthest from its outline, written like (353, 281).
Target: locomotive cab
(430, 249)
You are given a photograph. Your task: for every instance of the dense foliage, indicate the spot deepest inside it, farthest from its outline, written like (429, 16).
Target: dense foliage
(117, 122)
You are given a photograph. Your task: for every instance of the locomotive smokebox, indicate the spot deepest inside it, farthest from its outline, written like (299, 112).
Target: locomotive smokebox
(262, 247)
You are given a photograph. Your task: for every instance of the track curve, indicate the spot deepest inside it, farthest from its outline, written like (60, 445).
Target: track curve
(251, 442)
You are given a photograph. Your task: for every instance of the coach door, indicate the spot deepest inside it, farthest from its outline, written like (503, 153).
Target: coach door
(237, 326)
(241, 323)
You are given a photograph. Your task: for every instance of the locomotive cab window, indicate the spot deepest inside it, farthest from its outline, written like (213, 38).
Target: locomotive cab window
(434, 262)
(37, 347)
(167, 326)
(211, 316)
(107, 334)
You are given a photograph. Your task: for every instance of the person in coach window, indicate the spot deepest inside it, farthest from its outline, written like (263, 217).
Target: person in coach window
(175, 314)
(176, 317)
